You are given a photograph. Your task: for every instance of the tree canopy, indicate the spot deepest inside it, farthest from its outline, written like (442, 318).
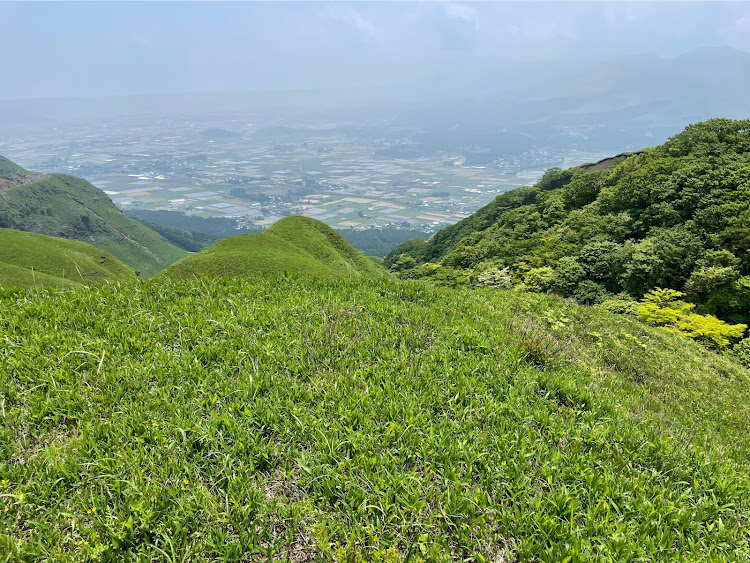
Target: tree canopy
(673, 216)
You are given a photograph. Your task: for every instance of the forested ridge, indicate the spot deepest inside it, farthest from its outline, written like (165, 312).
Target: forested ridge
(674, 216)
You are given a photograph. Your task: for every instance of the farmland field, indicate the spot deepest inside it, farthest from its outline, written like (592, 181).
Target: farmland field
(258, 174)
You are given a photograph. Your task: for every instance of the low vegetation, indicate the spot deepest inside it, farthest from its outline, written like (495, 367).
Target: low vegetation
(295, 245)
(371, 420)
(36, 261)
(69, 207)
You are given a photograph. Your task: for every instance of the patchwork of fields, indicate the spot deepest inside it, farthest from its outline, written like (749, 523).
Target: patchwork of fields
(259, 177)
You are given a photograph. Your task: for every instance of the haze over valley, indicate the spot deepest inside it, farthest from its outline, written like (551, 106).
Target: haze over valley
(365, 139)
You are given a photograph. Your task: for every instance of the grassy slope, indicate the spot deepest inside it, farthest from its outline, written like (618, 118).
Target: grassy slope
(281, 418)
(70, 207)
(7, 167)
(297, 245)
(34, 260)
(323, 243)
(16, 276)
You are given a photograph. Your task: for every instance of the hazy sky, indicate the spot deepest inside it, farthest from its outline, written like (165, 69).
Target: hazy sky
(89, 49)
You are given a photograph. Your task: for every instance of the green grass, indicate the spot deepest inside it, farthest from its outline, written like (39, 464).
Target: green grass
(33, 260)
(72, 208)
(7, 167)
(300, 420)
(296, 245)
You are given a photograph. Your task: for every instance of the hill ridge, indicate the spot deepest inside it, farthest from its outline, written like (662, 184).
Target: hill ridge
(35, 260)
(69, 207)
(297, 244)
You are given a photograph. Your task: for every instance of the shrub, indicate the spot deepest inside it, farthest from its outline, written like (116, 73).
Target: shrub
(742, 352)
(663, 307)
(621, 306)
(495, 277)
(568, 274)
(539, 279)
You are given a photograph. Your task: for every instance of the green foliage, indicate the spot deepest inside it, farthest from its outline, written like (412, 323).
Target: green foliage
(677, 215)
(621, 305)
(68, 207)
(218, 227)
(403, 263)
(495, 277)
(33, 260)
(539, 279)
(365, 420)
(298, 245)
(567, 275)
(7, 167)
(663, 307)
(187, 240)
(741, 351)
(412, 247)
(379, 242)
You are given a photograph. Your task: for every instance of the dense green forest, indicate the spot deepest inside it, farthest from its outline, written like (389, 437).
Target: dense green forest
(378, 242)
(674, 216)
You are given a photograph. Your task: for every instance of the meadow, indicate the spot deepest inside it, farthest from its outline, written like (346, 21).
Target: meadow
(290, 419)
(34, 260)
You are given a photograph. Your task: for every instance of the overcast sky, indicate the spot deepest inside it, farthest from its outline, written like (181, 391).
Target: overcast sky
(90, 49)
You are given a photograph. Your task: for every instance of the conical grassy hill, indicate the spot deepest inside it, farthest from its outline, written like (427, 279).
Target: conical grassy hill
(296, 245)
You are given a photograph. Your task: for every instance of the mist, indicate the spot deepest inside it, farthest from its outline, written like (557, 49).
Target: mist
(511, 88)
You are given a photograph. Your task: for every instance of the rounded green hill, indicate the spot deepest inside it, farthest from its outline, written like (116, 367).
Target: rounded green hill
(34, 260)
(296, 245)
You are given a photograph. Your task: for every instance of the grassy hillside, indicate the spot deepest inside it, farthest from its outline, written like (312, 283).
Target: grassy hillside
(366, 420)
(72, 208)
(7, 167)
(674, 216)
(34, 260)
(323, 243)
(297, 245)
